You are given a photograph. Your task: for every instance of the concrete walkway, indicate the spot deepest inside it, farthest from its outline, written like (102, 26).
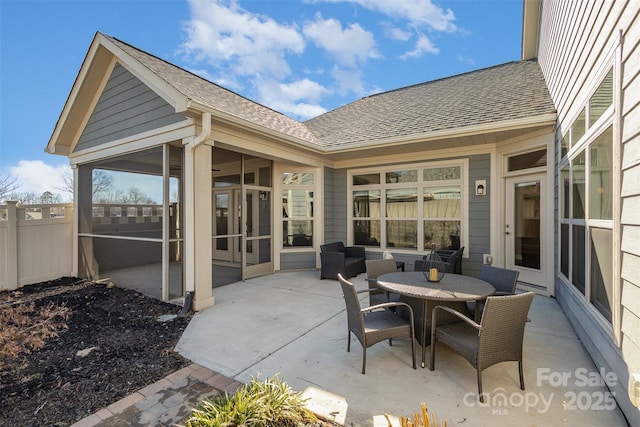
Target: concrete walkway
(294, 325)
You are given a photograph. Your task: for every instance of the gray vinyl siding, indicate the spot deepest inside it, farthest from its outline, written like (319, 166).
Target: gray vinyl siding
(335, 213)
(126, 107)
(297, 260)
(573, 41)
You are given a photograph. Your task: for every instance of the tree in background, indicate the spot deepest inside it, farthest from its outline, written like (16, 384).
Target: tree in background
(8, 185)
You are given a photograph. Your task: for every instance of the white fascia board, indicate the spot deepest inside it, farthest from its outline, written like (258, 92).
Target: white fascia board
(530, 28)
(149, 139)
(75, 89)
(547, 119)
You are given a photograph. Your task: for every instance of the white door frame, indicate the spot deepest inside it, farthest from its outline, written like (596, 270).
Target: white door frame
(533, 276)
(544, 139)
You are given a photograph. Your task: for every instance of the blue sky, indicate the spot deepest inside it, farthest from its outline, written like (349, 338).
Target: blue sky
(301, 58)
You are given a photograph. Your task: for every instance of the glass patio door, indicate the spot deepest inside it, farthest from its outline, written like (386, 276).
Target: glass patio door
(524, 225)
(226, 226)
(258, 240)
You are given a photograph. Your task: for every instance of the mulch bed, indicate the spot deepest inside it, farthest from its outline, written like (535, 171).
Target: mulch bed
(126, 348)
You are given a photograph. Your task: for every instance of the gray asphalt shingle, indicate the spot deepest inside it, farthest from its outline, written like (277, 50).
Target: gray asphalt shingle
(504, 92)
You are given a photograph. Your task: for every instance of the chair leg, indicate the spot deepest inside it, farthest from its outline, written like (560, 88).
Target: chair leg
(521, 375)
(413, 352)
(480, 385)
(364, 358)
(349, 342)
(432, 362)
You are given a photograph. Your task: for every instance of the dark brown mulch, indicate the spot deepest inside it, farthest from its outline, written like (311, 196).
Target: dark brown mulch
(54, 386)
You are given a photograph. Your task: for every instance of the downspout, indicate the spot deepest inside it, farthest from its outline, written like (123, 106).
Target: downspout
(189, 201)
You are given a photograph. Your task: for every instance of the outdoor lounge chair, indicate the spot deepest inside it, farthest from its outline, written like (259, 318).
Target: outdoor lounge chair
(336, 258)
(498, 337)
(375, 268)
(504, 280)
(375, 323)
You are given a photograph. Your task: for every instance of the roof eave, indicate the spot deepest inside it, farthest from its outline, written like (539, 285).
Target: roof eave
(521, 123)
(244, 123)
(530, 28)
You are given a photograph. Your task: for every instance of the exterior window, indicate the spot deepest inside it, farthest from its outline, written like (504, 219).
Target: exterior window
(586, 201)
(402, 218)
(528, 160)
(297, 209)
(601, 272)
(601, 178)
(578, 127)
(409, 208)
(366, 217)
(601, 99)
(441, 212)
(577, 176)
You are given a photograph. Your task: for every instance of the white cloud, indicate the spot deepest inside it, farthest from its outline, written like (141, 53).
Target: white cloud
(249, 44)
(36, 176)
(349, 46)
(466, 60)
(418, 12)
(422, 47)
(299, 98)
(396, 33)
(349, 80)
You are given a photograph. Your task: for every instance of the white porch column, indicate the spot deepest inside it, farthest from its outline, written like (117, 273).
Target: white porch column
(198, 228)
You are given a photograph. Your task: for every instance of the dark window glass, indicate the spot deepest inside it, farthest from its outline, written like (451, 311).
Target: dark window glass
(577, 174)
(528, 160)
(601, 276)
(578, 258)
(564, 249)
(372, 178)
(366, 233)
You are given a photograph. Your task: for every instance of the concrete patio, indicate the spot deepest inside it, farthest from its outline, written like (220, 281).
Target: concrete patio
(294, 325)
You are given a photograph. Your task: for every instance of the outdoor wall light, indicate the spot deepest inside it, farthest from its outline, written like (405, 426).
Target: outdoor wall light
(481, 187)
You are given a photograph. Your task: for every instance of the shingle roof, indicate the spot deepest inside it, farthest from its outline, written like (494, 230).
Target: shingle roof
(504, 92)
(204, 92)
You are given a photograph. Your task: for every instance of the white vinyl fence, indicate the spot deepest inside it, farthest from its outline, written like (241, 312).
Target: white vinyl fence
(36, 243)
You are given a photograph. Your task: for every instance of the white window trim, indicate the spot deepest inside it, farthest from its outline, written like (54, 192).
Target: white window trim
(316, 187)
(610, 118)
(464, 199)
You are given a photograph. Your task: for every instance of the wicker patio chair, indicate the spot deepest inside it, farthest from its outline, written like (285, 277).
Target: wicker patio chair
(498, 337)
(453, 257)
(504, 280)
(375, 323)
(375, 268)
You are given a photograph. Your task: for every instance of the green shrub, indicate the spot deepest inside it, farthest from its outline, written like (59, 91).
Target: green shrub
(257, 404)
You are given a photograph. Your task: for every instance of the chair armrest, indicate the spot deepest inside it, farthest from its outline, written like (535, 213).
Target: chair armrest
(434, 317)
(355, 251)
(333, 256)
(389, 305)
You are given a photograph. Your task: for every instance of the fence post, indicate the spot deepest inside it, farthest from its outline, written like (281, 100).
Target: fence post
(12, 245)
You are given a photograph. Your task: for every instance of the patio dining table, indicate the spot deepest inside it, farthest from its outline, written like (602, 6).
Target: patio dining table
(453, 290)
